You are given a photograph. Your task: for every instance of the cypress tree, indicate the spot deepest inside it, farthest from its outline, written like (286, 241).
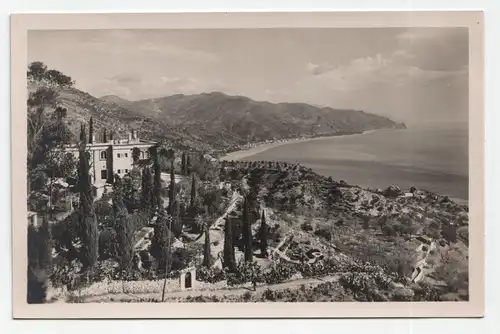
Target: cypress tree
(160, 245)
(105, 136)
(206, 248)
(83, 137)
(136, 155)
(188, 165)
(123, 227)
(86, 210)
(247, 233)
(263, 235)
(183, 164)
(229, 258)
(176, 219)
(171, 196)
(91, 130)
(147, 189)
(193, 190)
(157, 179)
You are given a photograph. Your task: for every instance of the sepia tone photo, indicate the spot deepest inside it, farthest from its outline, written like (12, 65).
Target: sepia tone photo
(326, 165)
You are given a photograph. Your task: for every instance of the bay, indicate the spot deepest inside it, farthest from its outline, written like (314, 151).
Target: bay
(431, 157)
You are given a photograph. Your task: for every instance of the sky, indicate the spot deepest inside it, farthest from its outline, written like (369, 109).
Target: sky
(413, 75)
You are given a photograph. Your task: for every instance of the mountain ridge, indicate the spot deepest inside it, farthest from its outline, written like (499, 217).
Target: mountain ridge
(213, 122)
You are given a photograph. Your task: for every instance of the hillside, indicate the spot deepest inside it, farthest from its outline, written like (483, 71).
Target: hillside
(235, 120)
(396, 231)
(117, 119)
(214, 123)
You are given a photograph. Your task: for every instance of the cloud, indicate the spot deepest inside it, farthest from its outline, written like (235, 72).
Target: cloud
(444, 49)
(189, 85)
(123, 79)
(170, 50)
(391, 85)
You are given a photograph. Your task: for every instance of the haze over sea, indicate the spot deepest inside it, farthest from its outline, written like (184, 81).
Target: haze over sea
(432, 157)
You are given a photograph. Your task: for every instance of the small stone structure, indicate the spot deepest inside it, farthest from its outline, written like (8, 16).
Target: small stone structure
(188, 278)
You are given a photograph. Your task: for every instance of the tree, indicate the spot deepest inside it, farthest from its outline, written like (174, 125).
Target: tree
(263, 235)
(105, 137)
(171, 196)
(229, 258)
(123, 227)
(46, 127)
(189, 167)
(36, 70)
(83, 137)
(206, 248)
(157, 200)
(183, 164)
(147, 196)
(449, 233)
(193, 190)
(91, 130)
(86, 210)
(162, 241)
(136, 154)
(39, 262)
(57, 78)
(247, 233)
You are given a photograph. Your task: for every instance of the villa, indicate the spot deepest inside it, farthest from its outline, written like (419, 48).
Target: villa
(112, 157)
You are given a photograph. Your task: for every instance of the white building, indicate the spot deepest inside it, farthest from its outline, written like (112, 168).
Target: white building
(112, 157)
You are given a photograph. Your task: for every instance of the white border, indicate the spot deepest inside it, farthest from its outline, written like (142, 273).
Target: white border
(375, 326)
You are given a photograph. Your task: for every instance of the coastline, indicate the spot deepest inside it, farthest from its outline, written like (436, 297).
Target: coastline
(262, 147)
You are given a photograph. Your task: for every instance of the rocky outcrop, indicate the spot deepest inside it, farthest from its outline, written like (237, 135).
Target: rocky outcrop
(392, 191)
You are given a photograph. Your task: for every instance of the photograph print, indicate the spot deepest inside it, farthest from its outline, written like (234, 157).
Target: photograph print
(247, 165)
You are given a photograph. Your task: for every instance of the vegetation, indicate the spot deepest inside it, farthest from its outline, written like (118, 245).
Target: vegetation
(124, 228)
(229, 258)
(86, 211)
(310, 225)
(39, 262)
(263, 235)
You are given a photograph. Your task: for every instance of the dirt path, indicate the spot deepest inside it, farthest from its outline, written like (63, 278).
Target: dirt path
(219, 293)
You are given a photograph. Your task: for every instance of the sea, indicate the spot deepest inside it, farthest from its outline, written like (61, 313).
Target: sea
(432, 157)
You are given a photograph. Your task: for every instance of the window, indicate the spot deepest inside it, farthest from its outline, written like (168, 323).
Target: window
(118, 155)
(142, 154)
(119, 171)
(126, 171)
(104, 174)
(103, 155)
(126, 155)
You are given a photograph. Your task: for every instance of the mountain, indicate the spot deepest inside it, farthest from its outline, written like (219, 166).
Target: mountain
(230, 121)
(209, 122)
(115, 99)
(117, 119)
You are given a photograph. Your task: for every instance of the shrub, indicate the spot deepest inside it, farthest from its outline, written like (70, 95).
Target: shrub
(210, 275)
(389, 231)
(181, 257)
(323, 232)
(449, 233)
(319, 268)
(306, 227)
(363, 286)
(279, 273)
(425, 292)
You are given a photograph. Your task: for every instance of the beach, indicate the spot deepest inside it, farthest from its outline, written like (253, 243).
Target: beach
(431, 158)
(260, 148)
